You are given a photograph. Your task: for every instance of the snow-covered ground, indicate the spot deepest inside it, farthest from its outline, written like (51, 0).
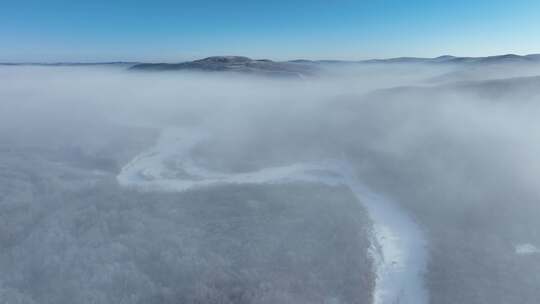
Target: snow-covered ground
(399, 246)
(526, 249)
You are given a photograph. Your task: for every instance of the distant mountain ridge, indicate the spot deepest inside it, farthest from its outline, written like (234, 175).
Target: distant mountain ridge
(508, 58)
(234, 64)
(298, 68)
(227, 62)
(304, 67)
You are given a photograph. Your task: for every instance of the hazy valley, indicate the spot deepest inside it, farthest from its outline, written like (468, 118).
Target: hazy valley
(234, 180)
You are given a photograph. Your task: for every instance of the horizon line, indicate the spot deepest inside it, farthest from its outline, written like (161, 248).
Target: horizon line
(82, 62)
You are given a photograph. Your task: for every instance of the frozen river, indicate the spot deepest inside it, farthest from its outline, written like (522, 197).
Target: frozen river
(398, 244)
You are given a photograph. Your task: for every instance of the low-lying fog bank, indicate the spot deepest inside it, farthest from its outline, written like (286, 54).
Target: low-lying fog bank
(455, 147)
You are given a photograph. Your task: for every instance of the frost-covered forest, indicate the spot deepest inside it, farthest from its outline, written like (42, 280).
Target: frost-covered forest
(356, 183)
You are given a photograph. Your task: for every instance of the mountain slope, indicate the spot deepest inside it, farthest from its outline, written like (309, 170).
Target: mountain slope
(233, 64)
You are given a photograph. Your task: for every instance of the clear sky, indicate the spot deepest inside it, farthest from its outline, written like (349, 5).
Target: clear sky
(166, 30)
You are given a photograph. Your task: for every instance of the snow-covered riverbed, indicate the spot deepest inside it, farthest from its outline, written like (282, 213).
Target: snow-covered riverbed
(399, 246)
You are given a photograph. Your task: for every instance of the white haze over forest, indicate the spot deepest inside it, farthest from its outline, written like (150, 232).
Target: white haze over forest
(363, 183)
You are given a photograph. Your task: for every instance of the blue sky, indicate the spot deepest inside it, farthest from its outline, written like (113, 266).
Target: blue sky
(164, 30)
